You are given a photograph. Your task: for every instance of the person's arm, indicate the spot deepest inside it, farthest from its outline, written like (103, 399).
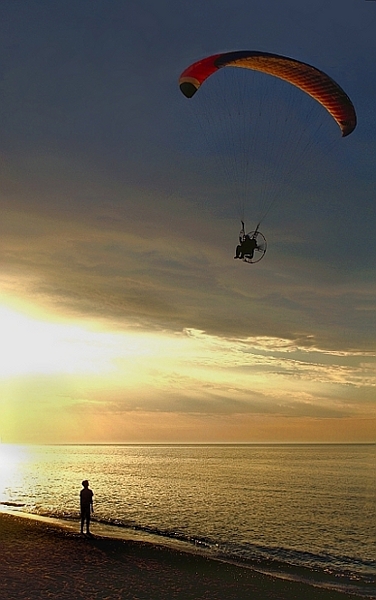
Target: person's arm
(242, 233)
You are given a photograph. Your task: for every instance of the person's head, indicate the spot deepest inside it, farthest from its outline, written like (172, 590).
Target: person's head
(85, 483)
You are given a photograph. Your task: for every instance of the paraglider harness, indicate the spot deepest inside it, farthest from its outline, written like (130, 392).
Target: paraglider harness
(252, 246)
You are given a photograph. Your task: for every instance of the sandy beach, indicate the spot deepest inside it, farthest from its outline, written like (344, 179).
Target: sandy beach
(39, 560)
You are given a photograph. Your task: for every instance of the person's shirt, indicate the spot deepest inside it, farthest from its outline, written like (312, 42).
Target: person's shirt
(249, 243)
(86, 498)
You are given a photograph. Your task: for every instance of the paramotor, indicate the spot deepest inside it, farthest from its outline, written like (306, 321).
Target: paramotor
(254, 157)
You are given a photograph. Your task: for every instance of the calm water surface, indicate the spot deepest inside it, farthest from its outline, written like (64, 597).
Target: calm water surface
(306, 512)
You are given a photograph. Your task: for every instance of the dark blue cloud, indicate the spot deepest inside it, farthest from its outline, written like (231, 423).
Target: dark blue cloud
(96, 135)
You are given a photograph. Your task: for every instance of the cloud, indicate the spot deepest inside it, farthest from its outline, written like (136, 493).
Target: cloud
(136, 275)
(198, 374)
(114, 213)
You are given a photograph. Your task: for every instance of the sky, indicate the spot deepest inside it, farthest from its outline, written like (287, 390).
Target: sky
(123, 316)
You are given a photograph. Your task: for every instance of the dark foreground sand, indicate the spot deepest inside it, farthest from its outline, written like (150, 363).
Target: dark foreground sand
(41, 561)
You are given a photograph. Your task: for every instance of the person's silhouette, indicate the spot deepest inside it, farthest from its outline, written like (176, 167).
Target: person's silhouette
(247, 244)
(86, 504)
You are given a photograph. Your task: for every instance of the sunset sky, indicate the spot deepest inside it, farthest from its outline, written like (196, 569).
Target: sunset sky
(123, 316)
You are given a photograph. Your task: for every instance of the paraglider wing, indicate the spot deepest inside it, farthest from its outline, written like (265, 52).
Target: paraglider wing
(302, 75)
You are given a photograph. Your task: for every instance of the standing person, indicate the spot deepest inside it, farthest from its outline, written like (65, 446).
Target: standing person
(86, 504)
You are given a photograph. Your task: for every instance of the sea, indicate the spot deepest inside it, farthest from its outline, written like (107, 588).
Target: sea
(299, 512)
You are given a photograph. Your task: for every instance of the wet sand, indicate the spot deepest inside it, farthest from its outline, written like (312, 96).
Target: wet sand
(42, 561)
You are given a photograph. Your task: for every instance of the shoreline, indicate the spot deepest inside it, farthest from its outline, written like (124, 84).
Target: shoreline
(42, 559)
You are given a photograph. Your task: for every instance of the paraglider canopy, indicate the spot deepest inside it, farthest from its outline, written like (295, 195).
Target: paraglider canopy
(302, 75)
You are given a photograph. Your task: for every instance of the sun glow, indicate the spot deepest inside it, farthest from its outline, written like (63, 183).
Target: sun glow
(69, 380)
(33, 346)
